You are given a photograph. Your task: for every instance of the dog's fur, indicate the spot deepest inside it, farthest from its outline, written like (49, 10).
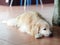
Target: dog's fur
(32, 23)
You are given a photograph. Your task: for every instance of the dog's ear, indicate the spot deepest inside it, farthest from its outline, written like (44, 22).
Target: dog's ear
(37, 29)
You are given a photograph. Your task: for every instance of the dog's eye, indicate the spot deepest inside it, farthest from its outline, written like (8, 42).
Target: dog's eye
(44, 29)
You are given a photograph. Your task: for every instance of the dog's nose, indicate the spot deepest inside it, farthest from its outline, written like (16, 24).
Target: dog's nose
(51, 35)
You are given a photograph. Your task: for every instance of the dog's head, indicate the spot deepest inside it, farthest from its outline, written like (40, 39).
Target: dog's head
(42, 30)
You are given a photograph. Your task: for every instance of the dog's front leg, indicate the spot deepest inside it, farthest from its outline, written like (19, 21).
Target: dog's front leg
(38, 36)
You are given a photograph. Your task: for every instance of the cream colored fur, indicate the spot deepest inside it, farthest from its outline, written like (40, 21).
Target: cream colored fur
(32, 23)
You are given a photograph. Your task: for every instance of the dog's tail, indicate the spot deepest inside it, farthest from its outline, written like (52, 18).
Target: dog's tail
(10, 22)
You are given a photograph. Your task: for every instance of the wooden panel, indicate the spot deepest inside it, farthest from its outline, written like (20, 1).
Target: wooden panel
(48, 1)
(44, 1)
(2, 2)
(17, 2)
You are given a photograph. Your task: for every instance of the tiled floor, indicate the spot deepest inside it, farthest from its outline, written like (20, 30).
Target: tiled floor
(12, 36)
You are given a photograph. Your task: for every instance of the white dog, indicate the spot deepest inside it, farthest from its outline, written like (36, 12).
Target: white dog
(32, 23)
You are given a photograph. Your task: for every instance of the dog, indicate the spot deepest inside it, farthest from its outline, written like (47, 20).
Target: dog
(32, 23)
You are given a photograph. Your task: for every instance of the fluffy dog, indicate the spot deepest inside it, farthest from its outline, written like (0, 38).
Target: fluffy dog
(32, 23)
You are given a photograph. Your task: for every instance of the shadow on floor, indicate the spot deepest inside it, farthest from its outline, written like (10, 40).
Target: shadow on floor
(56, 31)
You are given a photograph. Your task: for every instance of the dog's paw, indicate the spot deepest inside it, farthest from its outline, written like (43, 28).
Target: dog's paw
(37, 36)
